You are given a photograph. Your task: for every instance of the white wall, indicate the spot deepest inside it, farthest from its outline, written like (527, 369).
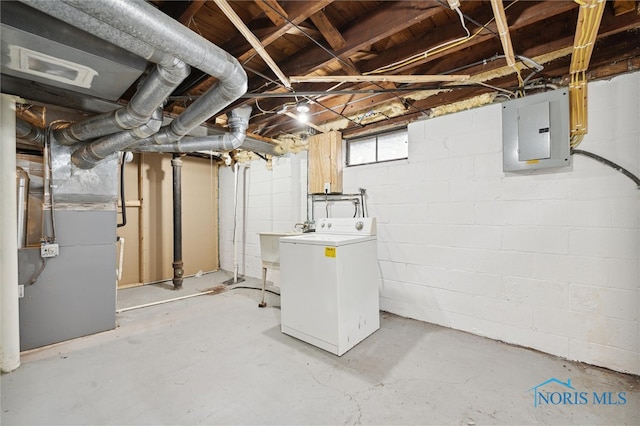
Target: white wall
(550, 261)
(269, 200)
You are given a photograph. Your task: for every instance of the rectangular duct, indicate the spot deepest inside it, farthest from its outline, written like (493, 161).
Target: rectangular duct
(37, 47)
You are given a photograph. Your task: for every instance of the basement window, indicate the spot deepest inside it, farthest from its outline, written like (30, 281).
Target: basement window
(378, 148)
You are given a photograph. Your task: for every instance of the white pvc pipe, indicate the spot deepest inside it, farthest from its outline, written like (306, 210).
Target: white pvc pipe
(9, 314)
(235, 223)
(160, 302)
(121, 241)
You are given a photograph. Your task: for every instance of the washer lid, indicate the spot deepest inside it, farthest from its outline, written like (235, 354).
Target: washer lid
(326, 239)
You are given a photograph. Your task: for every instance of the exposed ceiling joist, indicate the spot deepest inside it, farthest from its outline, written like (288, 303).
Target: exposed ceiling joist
(377, 77)
(372, 64)
(253, 41)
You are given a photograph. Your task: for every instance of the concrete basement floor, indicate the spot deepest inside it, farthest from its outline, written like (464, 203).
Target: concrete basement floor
(219, 359)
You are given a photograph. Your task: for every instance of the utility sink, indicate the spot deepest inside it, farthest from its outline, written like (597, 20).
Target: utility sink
(270, 254)
(270, 248)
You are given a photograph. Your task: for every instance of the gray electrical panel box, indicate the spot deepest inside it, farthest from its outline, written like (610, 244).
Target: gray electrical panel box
(535, 133)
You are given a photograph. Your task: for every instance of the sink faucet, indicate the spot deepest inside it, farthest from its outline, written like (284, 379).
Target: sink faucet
(306, 226)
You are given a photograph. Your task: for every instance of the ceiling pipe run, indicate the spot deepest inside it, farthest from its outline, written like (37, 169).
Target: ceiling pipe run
(143, 30)
(29, 134)
(90, 155)
(151, 94)
(238, 123)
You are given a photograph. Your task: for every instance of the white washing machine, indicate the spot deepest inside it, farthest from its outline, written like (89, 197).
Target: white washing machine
(329, 284)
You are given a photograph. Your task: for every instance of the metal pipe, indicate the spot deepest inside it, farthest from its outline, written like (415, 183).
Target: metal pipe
(79, 19)
(238, 122)
(29, 133)
(91, 154)
(178, 271)
(151, 95)
(22, 194)
(144, 30)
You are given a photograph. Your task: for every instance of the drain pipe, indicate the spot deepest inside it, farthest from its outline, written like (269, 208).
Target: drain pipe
(178, 271)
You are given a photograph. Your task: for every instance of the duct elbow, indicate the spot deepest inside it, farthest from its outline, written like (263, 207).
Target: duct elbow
(238, 123)
(65, 137)
(29, 133)
(239, 118)
(234, 79)
(85, 158)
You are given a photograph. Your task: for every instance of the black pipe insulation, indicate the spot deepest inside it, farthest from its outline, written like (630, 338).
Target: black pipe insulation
(178, 271)
(609, 163)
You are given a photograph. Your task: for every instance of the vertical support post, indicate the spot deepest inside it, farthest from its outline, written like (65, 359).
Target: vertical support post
(9, 308)
(178, 272)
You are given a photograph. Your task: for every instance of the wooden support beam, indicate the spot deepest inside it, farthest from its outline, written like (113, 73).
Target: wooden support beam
(274, 11)
(377, 77)
(328, 31)
(253, 40)
(191, 10)
(390, 18)
(503, 31)
(620, 7)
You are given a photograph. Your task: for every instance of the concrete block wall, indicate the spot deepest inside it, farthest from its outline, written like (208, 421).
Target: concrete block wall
(548, 261)
(270, 199)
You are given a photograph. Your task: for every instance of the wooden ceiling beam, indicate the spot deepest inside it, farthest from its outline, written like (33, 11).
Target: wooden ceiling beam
(503, 31)
(252, 39)
(334, 38)
(604, 64)
(273, 11)
(522, 14)
(191, 10)
(390, 18)
(297, 11)
(621, 7)
(328, 30)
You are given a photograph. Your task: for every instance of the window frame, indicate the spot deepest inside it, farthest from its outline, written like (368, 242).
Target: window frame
(377, 136)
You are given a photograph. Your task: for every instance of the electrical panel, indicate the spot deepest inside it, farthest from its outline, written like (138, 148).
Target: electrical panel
(535, 133)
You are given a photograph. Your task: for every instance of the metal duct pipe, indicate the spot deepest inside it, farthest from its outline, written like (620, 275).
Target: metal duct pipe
(238, 122)
(29, 133)
(91, 154)
(141, 21)
(151, 94)
(178, 271)
(262, 147)
(22, 197)
(79, 19)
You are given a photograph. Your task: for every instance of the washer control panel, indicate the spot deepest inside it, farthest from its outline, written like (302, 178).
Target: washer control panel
(347, 226)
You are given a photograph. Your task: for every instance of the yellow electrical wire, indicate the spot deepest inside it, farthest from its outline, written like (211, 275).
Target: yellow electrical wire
(590, 14)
